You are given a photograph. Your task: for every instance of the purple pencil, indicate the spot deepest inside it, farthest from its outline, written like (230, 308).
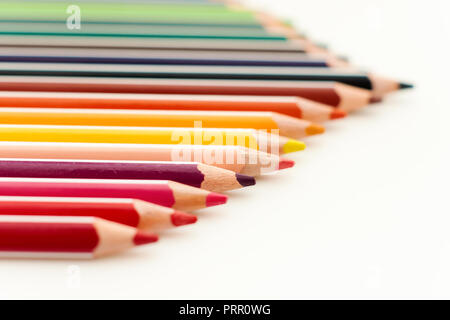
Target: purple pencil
(307, 62)
(189, 173)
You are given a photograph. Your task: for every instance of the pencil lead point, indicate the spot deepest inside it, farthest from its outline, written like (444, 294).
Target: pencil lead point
(293, 145)
(314, 128)
(403, 85)
(180, 218)
(285, 163)
(376, 100)
(214, 199)
(337, 114)
(143, 238)
(245, 180)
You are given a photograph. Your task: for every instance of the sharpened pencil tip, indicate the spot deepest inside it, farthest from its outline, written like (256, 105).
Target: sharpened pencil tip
(285, 163)
(244, 180)
(337, 114)
(314, 128)
(403, 85)
(143, 238)
(214, 199)
(180, 218)
(293, 146)
(376, 100)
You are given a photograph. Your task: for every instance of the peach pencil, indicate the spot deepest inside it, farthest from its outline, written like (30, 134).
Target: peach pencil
(238, 159)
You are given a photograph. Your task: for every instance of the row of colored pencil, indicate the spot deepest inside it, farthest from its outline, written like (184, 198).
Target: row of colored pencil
(116, 123)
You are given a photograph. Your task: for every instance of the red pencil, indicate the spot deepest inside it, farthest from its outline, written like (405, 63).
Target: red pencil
(66, 237)
(134, 213)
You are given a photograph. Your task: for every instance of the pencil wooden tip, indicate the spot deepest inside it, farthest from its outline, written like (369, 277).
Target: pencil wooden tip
(245, 180)
(285, 163)
(214, 199)
(314, 128)
(180, 218)
(337, 114)
(293, 146)
(143, 238)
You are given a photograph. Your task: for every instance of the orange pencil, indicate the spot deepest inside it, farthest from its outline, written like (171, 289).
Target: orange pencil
(287, 126)
(292, 106)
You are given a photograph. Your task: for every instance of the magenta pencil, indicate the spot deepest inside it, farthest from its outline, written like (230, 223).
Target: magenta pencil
(166, 193)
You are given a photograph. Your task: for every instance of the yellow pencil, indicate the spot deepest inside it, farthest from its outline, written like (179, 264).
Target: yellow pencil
(250, 138)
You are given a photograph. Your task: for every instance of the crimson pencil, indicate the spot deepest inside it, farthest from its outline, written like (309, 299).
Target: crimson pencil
(134, 213)
(334, 94)
(166, 193)
(66, 237)
(194, 174)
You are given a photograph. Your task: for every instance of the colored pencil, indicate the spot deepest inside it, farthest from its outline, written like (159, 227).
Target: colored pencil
(238, 159)
(168, 14)
(125, 54)
(292, 106)
(334, 94)
(152, 32)
(165, 193)
(251, 25)
(110, 28)
(131, 212)
(325, 62)
(189, 173)
(126, 12)
(379, 86)
(66, 237)
(287, 126)
(250, 138)
(76, 40)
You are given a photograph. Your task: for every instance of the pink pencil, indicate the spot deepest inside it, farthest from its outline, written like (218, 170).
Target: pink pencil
(166, 193)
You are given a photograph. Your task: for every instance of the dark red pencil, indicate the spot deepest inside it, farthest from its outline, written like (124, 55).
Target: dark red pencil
(194, 174)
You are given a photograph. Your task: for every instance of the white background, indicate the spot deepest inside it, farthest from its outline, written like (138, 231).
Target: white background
(364, 214)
